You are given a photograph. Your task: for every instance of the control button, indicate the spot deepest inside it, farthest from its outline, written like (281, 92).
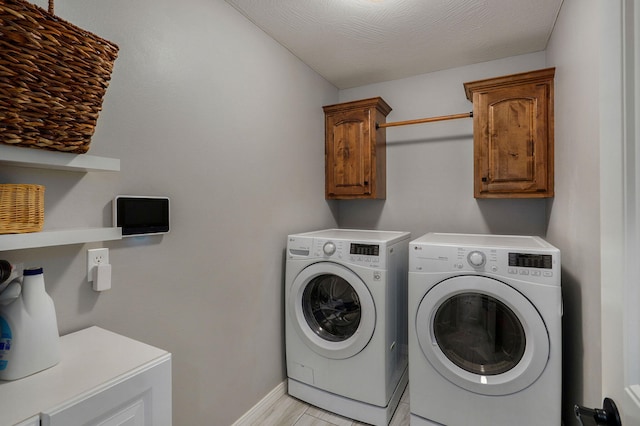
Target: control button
(524, 272)
(329, 248)
(535, 273)
(513, 271)
(547, 274)
(494, 268)
(476, 258)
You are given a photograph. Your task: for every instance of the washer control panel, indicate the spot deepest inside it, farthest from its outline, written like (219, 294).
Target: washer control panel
(358, 253)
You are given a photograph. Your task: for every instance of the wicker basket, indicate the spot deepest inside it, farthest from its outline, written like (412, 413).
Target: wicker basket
(53, 76)
(21, 208)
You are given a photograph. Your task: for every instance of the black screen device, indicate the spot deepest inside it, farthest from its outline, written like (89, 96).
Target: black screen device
(141, 215)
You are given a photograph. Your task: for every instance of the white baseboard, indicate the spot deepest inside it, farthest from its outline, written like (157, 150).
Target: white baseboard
(258, 410)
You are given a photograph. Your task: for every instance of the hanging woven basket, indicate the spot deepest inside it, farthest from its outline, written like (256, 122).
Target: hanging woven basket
(53, 77)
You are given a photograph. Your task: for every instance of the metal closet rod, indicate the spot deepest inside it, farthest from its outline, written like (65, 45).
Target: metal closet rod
(425, 120)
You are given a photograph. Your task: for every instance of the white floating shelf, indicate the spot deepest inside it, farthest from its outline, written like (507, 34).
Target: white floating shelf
(58, 237)
(42, 159)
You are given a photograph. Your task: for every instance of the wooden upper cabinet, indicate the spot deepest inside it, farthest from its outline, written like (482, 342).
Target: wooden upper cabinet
(513, 135)
(355, 149)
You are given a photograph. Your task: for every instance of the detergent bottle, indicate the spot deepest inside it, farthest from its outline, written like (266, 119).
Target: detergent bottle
(29, 339)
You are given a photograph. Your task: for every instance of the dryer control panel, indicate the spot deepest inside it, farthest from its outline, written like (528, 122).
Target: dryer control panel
(533, 265)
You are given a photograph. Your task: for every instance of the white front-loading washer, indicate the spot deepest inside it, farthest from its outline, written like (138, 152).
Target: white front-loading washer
(485, 317)
(346, 321)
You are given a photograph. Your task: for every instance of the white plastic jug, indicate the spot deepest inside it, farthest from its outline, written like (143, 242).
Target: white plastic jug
(29, 339)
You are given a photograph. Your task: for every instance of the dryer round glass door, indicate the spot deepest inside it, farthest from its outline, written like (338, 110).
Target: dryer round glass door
(482, 335)
(479, 333)
(332, 310)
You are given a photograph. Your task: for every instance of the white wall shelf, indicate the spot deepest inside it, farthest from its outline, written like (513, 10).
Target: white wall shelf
(52, 160)
(58, 238)
(42, 159)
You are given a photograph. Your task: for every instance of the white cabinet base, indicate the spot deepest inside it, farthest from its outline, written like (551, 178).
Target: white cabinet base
(104, 379)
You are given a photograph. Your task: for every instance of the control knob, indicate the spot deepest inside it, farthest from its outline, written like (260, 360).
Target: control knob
(329, 248)
(476, 259)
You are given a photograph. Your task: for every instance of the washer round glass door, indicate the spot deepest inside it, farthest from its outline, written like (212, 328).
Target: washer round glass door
(482, 335)
(332, 310)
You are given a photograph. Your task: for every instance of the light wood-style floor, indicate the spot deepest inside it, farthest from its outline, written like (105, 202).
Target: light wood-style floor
(288, 411)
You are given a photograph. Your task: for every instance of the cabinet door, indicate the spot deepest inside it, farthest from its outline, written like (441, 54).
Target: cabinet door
(512, 137)
(142, 399)
(349, 153)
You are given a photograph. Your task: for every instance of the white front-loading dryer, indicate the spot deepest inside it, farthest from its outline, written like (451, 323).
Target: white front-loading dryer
(346, 321)
(485, 334)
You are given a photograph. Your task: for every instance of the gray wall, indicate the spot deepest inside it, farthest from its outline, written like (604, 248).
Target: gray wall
(574, 213)
(203, 107)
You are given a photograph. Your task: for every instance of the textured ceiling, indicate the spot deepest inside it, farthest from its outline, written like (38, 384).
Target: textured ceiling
(357, 42)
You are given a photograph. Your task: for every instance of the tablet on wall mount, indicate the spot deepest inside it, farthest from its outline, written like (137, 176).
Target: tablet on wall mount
(141, 215)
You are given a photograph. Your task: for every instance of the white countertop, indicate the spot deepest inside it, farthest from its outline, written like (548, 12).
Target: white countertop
(92, 358)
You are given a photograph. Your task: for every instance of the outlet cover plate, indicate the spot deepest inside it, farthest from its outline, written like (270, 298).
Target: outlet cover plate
(96, 257)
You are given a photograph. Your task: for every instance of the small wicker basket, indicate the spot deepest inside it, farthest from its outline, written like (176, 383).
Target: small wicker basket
(21, 208)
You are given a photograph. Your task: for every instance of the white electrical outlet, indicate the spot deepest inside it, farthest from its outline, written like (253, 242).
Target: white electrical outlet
(96, 257)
